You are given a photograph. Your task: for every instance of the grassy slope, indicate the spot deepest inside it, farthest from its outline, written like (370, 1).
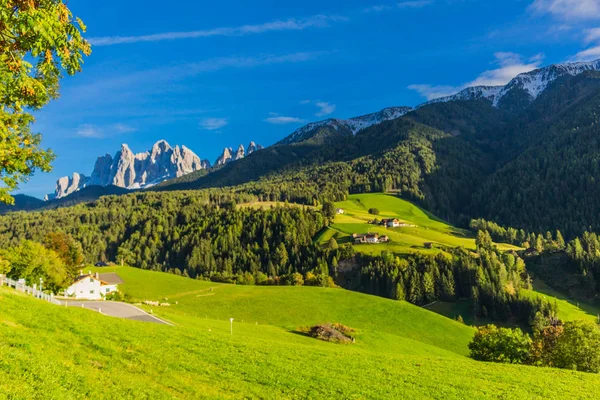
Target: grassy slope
(383, 324)
(568, 309)
(48, 351)
(403, 240)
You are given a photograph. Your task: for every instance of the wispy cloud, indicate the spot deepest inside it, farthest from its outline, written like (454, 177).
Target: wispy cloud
(212, 124)
(151, 80)
(291, 24)
(592, 35)
(510, 65)
(99, 132)
(431, 92)
(398, 5)
(122, 128)
(593, 53)
(325, 108)
(89, 131)
(277, 119)
(414, 3)
(568, 9)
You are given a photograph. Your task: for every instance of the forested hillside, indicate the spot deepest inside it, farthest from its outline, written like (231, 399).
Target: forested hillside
(531, 166)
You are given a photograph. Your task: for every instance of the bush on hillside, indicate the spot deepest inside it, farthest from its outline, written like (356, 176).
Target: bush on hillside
(295, 279)
(373, 211)
(321, 280)
(336, 333)
(576, 346)
(503, 345)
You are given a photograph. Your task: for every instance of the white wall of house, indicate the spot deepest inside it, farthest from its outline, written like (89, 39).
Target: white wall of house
(89, 288)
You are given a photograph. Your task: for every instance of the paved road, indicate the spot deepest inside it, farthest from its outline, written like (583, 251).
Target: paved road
(117, 309)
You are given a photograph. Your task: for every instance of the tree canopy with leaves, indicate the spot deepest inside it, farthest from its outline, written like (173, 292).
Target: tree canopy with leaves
(39, 41)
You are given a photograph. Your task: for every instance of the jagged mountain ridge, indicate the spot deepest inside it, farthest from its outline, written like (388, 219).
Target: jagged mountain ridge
(228, 155)
(142, 170)
(533, 83)
(351, 125)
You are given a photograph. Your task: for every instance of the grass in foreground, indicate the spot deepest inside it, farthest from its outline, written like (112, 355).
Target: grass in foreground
(48, 351)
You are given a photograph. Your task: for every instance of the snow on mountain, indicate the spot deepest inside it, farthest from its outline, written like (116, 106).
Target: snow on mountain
(534, 83)
(354, 125)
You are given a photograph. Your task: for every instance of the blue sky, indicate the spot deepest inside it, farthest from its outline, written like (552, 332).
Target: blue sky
(214, 74)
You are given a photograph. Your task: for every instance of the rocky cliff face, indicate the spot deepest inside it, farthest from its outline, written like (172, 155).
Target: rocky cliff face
(134, 171)
(228, 155)
(67, 185)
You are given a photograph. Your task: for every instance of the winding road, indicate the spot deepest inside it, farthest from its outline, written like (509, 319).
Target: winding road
(118, 309)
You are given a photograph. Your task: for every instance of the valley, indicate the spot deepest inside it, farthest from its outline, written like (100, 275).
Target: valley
(413, 228)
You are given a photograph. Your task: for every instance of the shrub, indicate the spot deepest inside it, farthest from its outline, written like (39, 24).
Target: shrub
(321, 280)
(373, 211)
(504, 345)
(577, 347)
(295, 279)
(336, 333)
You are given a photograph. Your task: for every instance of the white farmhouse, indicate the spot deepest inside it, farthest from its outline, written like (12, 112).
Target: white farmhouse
(339, 211)
(91, 287)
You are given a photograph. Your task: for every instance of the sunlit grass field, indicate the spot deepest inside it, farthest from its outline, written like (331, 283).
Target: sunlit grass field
(403, 240)
(52, 352)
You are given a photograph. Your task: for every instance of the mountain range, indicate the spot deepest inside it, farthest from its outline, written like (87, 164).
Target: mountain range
(143, 170)
(525, 154)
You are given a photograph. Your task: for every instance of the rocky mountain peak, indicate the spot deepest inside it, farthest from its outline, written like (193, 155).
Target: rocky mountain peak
(134, 171)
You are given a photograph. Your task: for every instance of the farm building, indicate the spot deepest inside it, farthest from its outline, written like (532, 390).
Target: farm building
(339, 211)
(428, 245)
(93, 287)
(366, 238)
(390, 223)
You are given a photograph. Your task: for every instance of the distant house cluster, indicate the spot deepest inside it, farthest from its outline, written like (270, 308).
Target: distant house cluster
(372, 238)
(390, 223)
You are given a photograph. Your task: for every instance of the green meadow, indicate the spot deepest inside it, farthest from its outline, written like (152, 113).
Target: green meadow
(424, 227)
(402, 351)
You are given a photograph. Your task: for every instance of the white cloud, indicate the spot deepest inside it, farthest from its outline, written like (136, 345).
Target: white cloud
(122, 128)
(291, 24)
(325, 108)
(283, 120)
(510, 65)
(590, 54)
(568, 9)
(431, 92)
(89, 131)
(592, 35)
(212, 124)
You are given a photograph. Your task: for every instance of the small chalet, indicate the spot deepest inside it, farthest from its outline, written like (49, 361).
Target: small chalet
(339, 211)
(428, 245)
(92, 286)
(366, 238)
(390, 223)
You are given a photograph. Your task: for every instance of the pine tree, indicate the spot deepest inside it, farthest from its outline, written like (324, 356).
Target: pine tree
(399, 293)
(560, 241)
